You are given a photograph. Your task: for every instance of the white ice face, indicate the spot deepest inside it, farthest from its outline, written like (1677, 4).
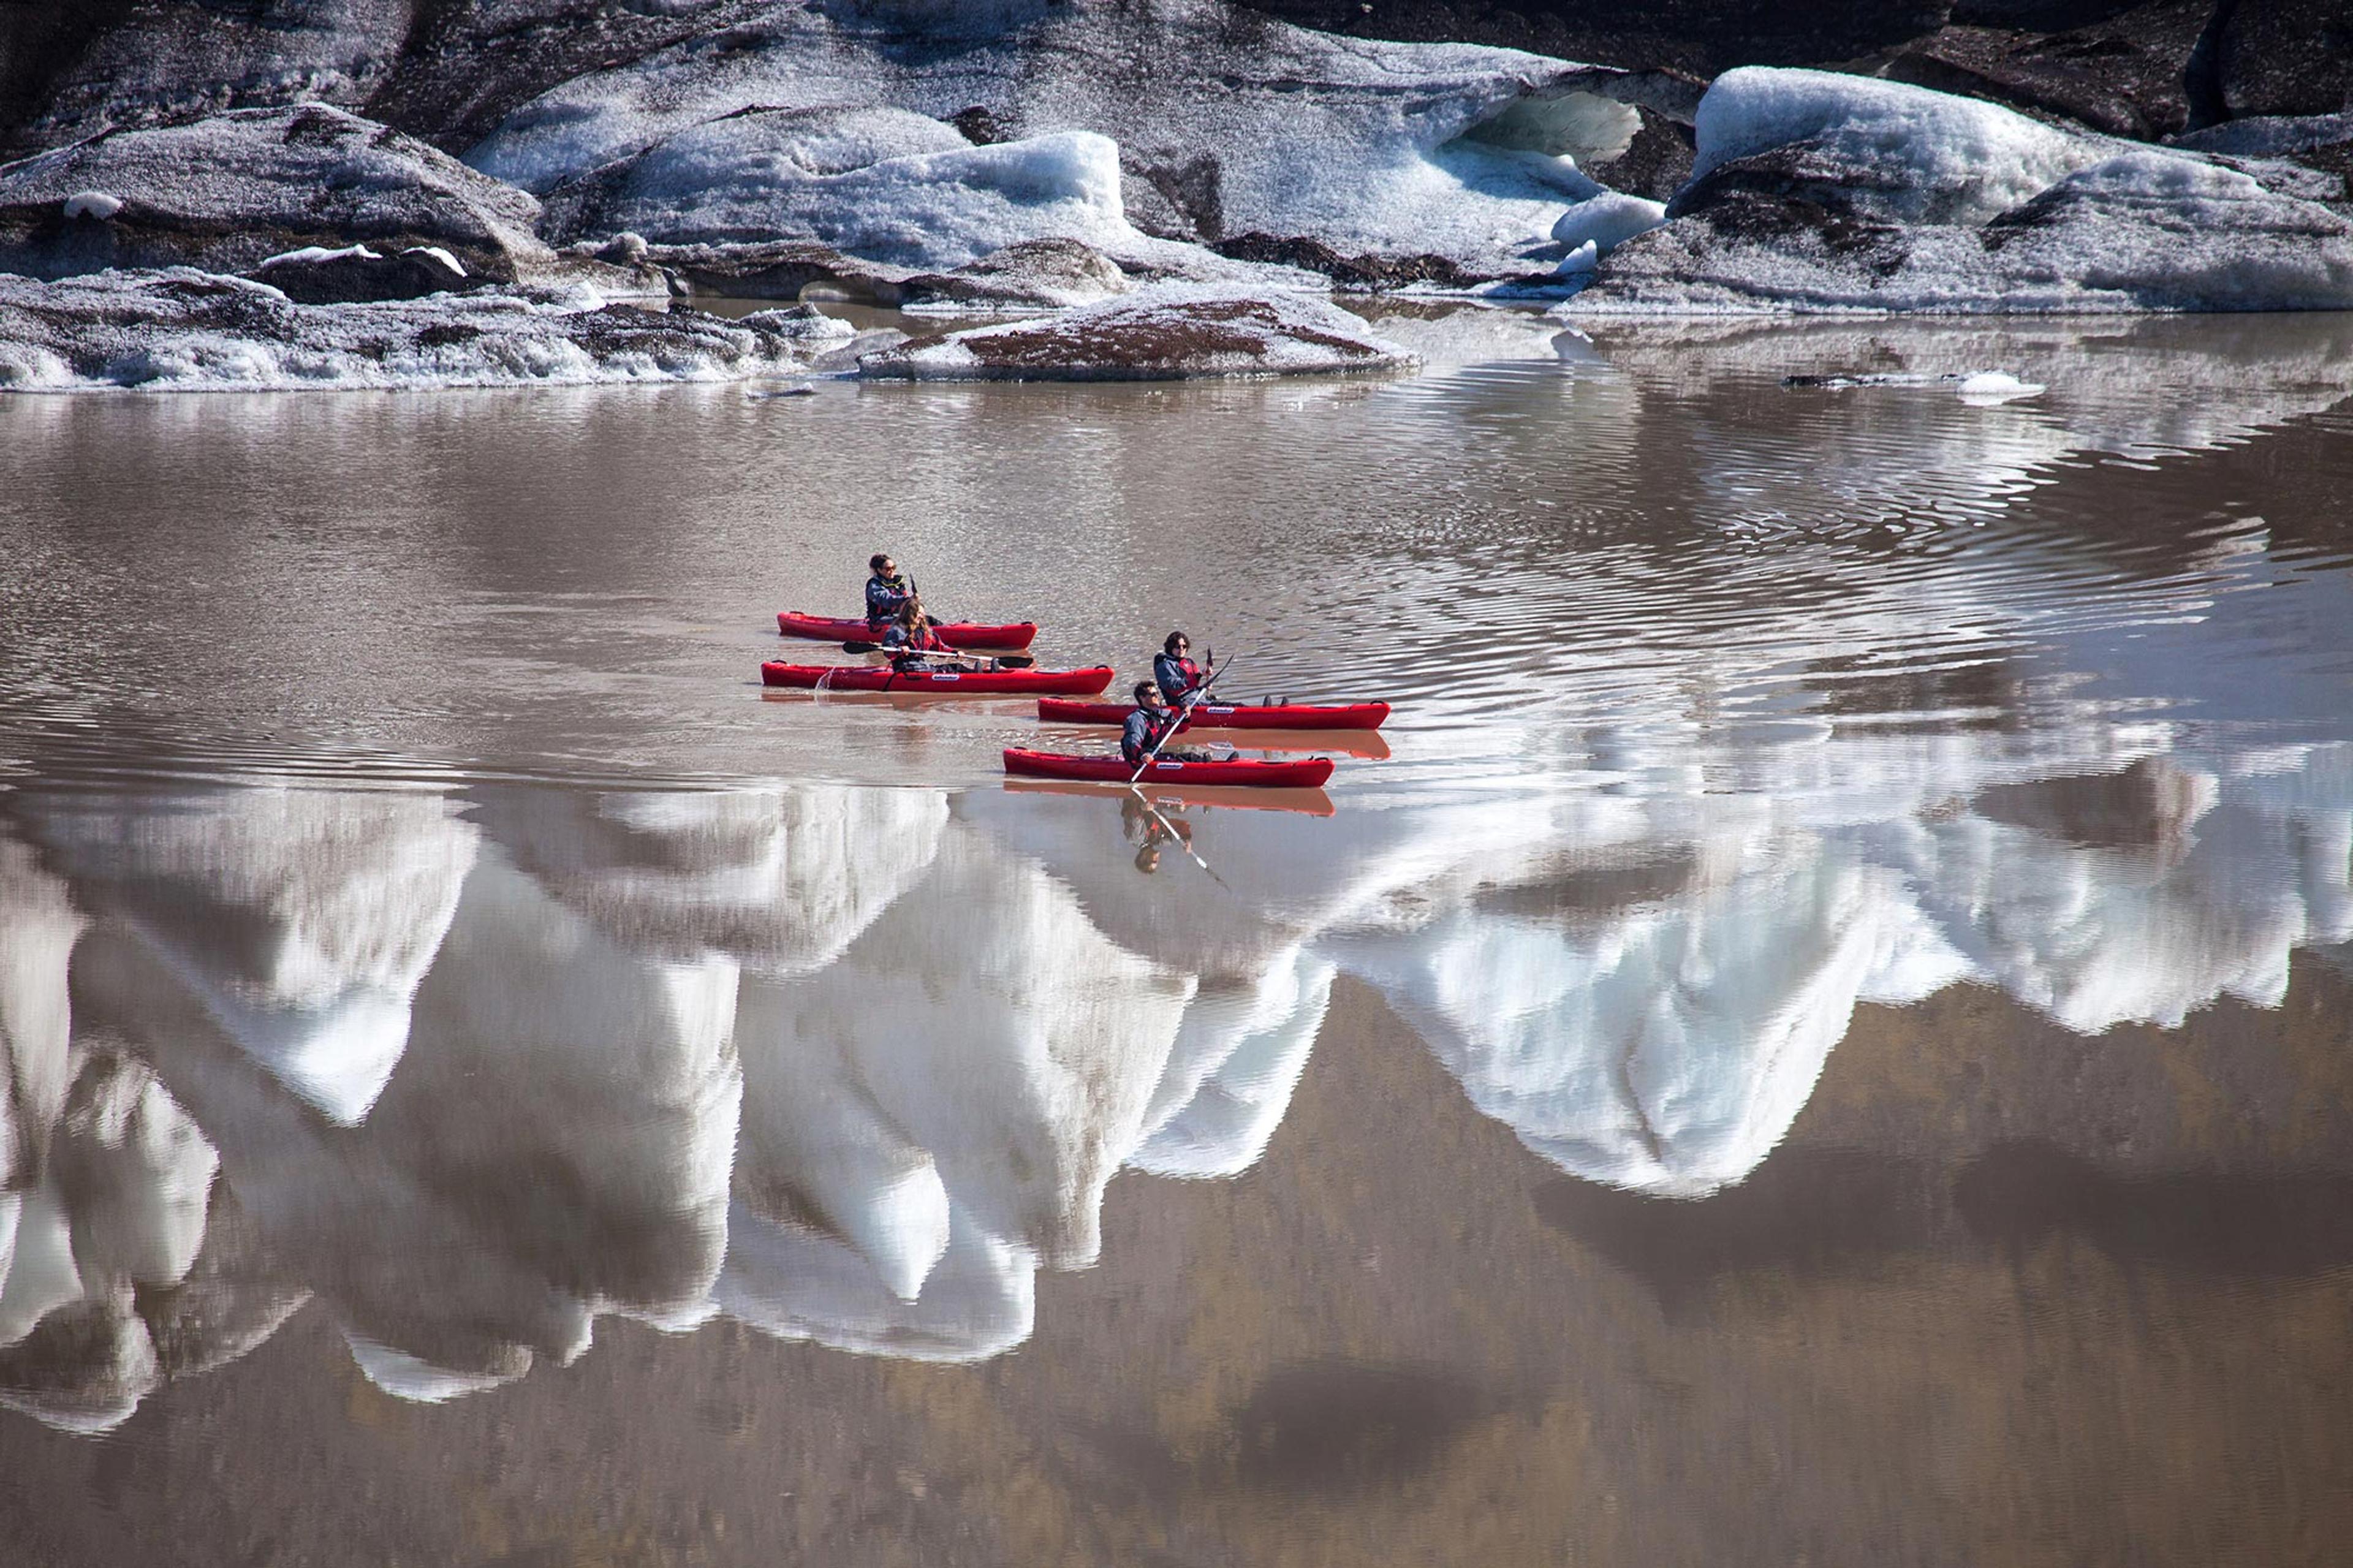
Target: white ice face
(927, 200)
(1247, 124)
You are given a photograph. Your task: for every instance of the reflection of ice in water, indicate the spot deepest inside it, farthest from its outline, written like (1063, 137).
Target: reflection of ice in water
(1232, 1070)
(1668, 1045)
(598, 1108)
(303, 919)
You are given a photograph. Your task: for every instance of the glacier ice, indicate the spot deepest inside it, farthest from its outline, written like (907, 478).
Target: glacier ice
(1818, 191)
(1243, 125)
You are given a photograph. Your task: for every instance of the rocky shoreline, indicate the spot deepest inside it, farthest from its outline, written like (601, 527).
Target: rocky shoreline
(531, 160)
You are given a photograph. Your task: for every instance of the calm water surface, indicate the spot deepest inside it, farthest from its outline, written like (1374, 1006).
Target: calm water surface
(1823, 1032)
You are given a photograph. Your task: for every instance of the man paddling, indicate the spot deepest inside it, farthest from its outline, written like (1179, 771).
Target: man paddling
(1151, 720)
(1174, 669)
(887, 592)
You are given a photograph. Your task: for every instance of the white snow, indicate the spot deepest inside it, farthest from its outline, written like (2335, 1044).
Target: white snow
(314, 253)
(343, 903)
(99, 205)
(455, 266)
(1606, 221)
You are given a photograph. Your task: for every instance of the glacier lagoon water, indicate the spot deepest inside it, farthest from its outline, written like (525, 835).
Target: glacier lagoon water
(1824, 1036)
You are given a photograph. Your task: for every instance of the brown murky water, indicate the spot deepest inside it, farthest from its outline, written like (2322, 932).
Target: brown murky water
(1820, 1035)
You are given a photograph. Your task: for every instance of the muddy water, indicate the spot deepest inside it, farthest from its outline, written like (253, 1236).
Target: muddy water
(1819, 1033)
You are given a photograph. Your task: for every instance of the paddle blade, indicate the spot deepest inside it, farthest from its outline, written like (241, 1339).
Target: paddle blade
(862, 647)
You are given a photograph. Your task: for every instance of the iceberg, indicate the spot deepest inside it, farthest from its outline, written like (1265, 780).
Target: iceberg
(1816, 191)
(1232, 1070)
(1665, 1049)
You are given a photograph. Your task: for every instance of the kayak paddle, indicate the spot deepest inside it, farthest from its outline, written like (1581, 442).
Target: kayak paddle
(1191, 699)
(1002, 660)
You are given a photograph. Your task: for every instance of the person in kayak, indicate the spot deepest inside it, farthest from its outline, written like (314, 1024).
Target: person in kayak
(887, 592)
(914, 645)
(1174, 669)
(1151, 720)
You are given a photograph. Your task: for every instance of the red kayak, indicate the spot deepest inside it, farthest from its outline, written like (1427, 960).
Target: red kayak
(978, 683)
(957, 633)
(1304, 773)
(1230, 715)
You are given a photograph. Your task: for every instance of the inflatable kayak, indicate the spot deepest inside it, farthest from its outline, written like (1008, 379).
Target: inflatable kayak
(857, 629)
(1230, 715)
(984, 682)
(1303, 772)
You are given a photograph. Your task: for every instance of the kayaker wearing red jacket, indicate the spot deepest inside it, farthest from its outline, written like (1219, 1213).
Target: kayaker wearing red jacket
(912, 638)
(886, 592)
(1152, 719)
(1174, 670)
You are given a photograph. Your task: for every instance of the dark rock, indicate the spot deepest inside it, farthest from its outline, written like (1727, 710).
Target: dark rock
(443, 71)
(780, 272)
(1049, 274)
(357, 275)
(1655, 164)
(979, 126)
(466, 66)
(1347, 272)
(1702, 37)
(2283, 56)
(2124, 74)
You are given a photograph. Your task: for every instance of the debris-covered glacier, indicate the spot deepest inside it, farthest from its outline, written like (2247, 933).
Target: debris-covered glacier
(179, 329)
(1167, 332)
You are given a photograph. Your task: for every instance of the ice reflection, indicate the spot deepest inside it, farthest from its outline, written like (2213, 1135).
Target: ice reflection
(480, 1065)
